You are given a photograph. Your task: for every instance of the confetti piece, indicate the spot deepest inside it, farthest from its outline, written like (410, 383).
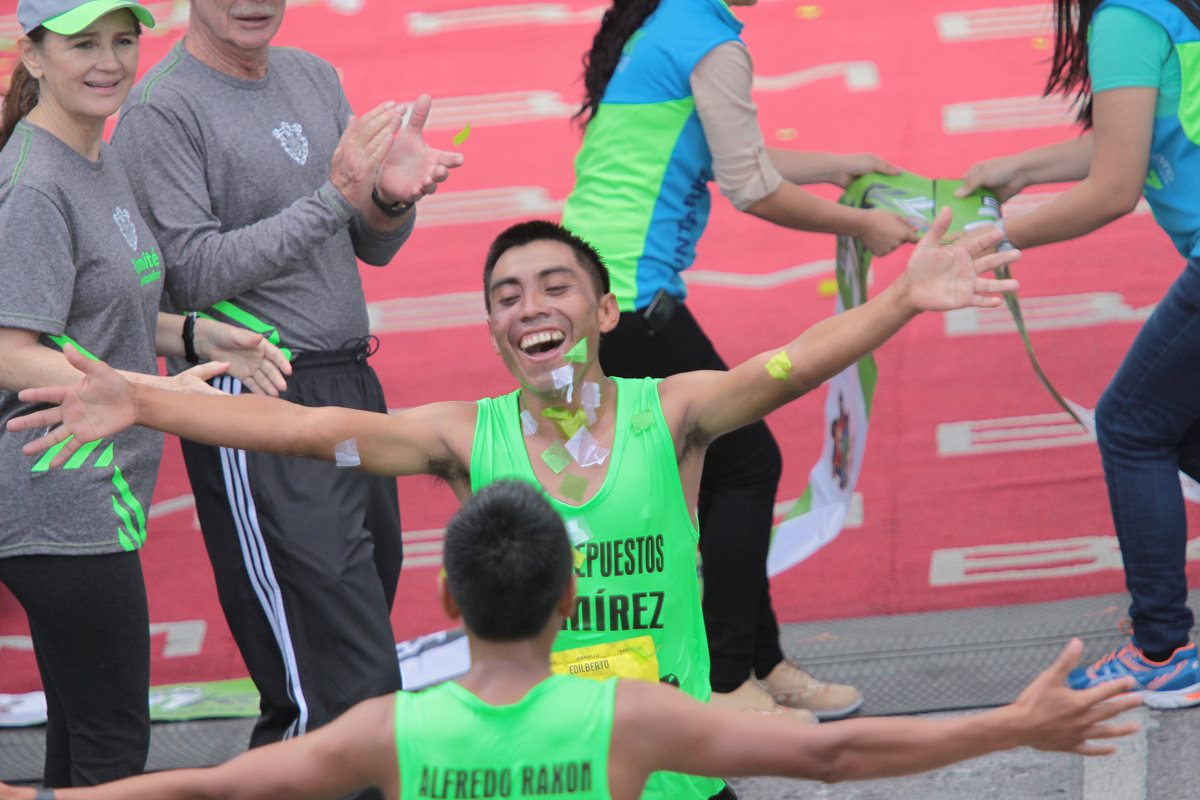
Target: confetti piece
(578, 353)
(786, 134)
(642, 420)
(579, 558)
(569, 422)
(1040, 43)
(462, 135)
(528, 423)
(586, 451)
(780, 366)
(578, 531)
(589, 398)
(556, 457)
(808, 12)
(564, 378)
(573, 487)
(345, 454)
(827, 287)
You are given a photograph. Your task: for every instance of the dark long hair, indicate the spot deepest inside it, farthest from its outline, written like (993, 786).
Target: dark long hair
(619, 23)
(22, 94)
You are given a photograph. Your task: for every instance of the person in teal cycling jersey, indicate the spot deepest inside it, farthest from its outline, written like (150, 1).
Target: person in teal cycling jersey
(1127, 61)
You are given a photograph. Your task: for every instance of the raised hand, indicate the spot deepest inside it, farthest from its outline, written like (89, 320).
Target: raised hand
(100, 404)
(1054, 717)
(361, 150)
(411, 168)
(258, 364)
(943, 277)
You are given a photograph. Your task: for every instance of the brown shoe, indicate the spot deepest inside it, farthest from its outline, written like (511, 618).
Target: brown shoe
(790, 686)
(751, 697)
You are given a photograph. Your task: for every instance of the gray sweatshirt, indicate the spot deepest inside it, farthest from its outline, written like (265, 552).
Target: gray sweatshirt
(233, 176)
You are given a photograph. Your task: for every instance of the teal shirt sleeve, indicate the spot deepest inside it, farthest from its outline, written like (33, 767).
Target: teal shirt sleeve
(1126, 48)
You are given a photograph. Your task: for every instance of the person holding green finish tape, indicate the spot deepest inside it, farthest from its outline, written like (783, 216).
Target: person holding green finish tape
(81, 268)
(1133, 66)
(629, 510)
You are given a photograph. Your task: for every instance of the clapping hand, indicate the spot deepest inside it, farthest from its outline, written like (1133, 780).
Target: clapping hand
(412, 169)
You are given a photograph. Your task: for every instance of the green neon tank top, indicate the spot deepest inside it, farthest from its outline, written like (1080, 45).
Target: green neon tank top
(553, 742)
(638, 610)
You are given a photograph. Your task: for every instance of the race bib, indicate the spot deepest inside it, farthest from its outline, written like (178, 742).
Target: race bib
(634, 659)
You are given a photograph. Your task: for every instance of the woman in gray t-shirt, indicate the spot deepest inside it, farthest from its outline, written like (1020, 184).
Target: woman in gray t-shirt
(80, 267)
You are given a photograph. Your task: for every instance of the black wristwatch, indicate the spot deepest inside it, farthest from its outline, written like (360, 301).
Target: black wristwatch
(393, 210)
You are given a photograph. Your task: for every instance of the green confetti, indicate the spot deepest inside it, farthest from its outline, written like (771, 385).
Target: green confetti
(462, 135)
(573, 487)
(780, 366)
(578, 353)
(556, 457)
(642, 420)
(579, 558)
(568, 421)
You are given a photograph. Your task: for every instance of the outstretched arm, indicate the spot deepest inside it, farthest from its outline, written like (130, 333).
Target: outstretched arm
(938, 278)
(356, 751)
(658, 728)
(420, 440)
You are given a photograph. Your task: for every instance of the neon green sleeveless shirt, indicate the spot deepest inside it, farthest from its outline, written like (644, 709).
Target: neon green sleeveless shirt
(450, 744)
(638, 612)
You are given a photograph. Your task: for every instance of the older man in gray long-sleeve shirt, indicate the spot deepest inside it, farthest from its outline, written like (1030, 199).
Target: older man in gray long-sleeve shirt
(262, 190)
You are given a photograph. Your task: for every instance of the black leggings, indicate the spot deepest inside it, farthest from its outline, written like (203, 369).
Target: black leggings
(736, 503)
(90, 628)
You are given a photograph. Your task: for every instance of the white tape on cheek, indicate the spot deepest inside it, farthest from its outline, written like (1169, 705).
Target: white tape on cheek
(346, 454)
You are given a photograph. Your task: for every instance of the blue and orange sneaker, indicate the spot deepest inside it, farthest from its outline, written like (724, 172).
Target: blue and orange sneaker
(1174, 683)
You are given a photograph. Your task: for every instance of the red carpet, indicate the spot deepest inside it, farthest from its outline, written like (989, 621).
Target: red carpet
(931, 84)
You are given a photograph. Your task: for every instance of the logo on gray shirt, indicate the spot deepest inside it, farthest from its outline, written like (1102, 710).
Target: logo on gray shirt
(125, 224)
(295, 143)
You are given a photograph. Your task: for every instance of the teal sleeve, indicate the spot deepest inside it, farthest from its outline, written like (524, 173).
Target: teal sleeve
(1126, 48)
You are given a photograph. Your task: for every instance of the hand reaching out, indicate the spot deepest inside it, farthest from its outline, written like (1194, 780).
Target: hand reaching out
(1055, 717)
(412, 169)
(943, 277)
(100, 404)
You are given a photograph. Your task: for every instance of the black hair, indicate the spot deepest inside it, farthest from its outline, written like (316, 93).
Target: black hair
(538, 230)
(1069, 65)
(507, 560)
(22, 93)
(618, 24)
